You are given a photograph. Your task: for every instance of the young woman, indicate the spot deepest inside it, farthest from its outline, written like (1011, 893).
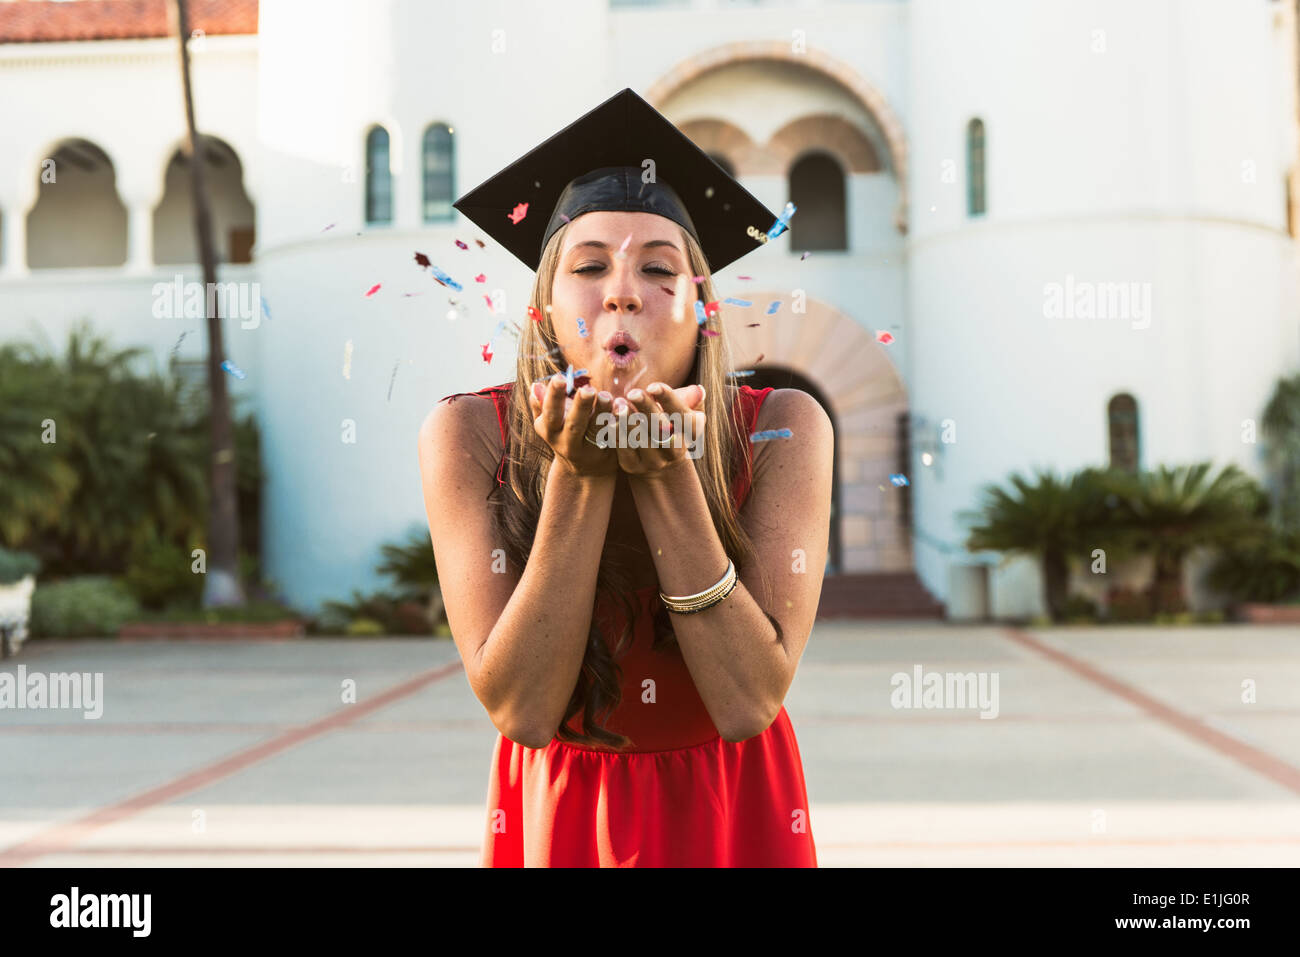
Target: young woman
(631, 617)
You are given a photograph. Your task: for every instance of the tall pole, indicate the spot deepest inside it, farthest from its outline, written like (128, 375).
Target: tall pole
(221, 583)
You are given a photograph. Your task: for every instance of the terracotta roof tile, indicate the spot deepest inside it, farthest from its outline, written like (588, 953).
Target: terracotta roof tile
(43, 21)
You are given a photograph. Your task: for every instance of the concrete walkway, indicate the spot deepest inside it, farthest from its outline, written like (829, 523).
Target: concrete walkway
(1110, 746)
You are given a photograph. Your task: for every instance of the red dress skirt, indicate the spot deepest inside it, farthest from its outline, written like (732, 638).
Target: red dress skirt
(681, 796)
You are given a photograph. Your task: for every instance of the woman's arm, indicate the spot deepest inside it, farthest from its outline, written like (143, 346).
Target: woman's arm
(741, 655)
(521, 638)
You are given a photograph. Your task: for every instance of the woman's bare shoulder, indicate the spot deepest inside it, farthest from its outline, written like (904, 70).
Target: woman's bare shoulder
(464, 426)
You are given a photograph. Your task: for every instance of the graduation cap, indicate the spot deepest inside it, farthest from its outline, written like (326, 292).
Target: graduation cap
(595, 163)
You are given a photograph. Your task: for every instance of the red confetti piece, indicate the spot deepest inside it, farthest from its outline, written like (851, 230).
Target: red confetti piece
(331, 226)
(488, 300)
(753, 325)
(517, 215)
(708, 332)
(697, 279)
(480, 278)
(461, 245)
(744, 277)
(667, 290)
(487, 352)
(803, 257)
(711, 308)
(481, 244)
(884, 337)
(422, 260)
(759, 359)
(534, 315)
(372, 290)
(440, 282)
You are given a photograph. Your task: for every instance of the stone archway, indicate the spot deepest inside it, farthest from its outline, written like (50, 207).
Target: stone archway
(871, 99)
(855, 380)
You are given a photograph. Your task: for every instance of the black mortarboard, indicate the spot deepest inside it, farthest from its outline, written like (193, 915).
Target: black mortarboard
(595, 163)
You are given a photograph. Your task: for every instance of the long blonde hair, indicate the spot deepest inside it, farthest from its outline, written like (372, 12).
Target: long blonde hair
(528, 458)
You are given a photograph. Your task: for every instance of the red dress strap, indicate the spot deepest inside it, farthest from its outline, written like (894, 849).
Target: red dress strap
(745, 419)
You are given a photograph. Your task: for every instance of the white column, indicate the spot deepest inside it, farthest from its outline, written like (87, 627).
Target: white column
(139, 237)
(14, 224)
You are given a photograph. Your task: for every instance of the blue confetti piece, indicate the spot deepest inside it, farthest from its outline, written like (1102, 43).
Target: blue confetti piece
(741, 372)
(738, 302)
(770, 434)
(266, 310)
(582, 327)
(776, 304)
(699, 313)
(782, 222)
(444, 278)
(899, 479)
(569, 376)
(234, 370)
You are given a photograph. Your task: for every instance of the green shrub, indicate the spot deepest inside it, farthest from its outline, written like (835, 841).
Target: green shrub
(1210, 617)
(1080, 607)
(363, 627)
(1264, 567)
(90, 606)
(15, 566)
(1128, 605)
(159, 574)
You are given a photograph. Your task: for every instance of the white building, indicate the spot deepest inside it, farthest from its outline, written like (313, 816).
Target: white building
(956, 166)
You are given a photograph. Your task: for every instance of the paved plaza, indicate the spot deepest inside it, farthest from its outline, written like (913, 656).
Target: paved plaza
(1110, 746)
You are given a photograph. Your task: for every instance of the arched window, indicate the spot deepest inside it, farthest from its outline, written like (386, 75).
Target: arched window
(439, 173)
(724, 163)
(817, 191)
(975, 187)
(1122, 417)
(78, 219)
(379, 177)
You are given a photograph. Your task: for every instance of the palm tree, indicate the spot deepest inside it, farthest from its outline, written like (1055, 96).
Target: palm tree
(1168, 512)
(1054, 519)
(221, 584)
(1281, 425)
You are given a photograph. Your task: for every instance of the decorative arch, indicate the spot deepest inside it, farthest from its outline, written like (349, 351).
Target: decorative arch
(233, 213)
(724, 139)
(78, 218)
(858, 385)
(818, 61)
(825, 134)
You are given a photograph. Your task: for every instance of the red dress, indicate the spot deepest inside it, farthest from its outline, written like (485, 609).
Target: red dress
(681, 796)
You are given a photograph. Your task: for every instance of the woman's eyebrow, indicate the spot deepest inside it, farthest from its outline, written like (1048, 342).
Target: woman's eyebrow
(648, 245)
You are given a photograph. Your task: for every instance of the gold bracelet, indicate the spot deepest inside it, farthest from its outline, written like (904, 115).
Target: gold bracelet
(688, 604)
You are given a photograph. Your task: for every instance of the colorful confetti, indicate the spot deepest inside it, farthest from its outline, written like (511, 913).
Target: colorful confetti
(738, 302)
(708, 332)
(517, 214)
(443, 278)
(565, 218)
(711, 308)
(461, 245)
(392, 379)
(487, 352)
(884, 337)
(667, 290)
(234, 370)
(745, 277)
(804, 256)
(697, 279)
(372, 290)
(582, 327)
(782, 222)
(743, 372)
(899, 479)
(773, 307)
(488, 300)
(753, 325)
(481, 244)
(329, 227)
(347, 359)
(766, 434)
(178, 344)
(266, 310)
(480, 278)
(533, 314)
(622, 250)
(569, 377)
(699, 313)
